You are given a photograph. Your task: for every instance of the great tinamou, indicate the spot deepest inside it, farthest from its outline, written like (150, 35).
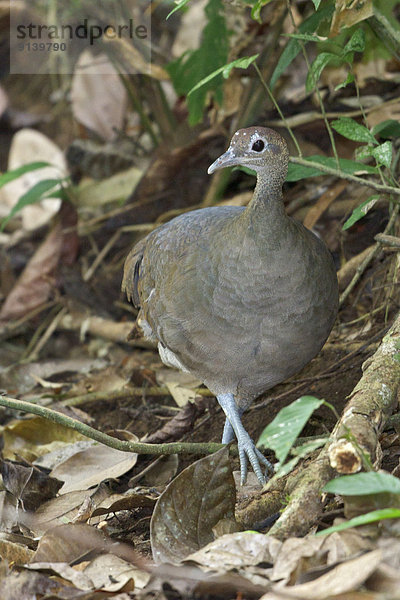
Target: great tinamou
(242, 298)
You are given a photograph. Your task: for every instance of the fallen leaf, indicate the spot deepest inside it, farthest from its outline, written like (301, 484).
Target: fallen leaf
(91, 466)
(192, 504)
(98, 97)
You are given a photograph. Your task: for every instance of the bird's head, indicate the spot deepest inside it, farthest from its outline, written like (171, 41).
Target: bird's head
(258, 148)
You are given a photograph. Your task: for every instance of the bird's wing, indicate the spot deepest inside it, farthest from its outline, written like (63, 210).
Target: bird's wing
(131, 277)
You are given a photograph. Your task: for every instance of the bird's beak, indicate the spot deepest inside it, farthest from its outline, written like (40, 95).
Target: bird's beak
(228, 159)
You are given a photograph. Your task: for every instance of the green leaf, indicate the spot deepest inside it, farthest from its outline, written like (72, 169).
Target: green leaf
(34, 194)
(282, 432)
(363, 152)
(349, 79)
(240, 63)
(193, 66)
(179, 6)
(316, 4)
(300, 452)
(356, 43)
(387, 129)
(383, 154)
(360, 212)
(307, 37)
(316, 68)
(363, 484)
(371, 517)
(293, 47)
(350, 129)
(297, 172)
(15, 173)
(256, 10)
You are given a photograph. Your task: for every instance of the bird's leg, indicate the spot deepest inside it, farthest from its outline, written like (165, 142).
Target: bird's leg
(228, 434)
(246, 447)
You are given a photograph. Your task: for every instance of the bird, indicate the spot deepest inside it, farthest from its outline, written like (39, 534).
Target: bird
(240, 297)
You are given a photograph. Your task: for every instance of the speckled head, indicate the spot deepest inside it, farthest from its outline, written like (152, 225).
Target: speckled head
(259, 148)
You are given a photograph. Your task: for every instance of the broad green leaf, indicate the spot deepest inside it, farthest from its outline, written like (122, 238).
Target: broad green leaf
(371, 517)
(363, 484)
(15, 173)
(356, 43)
(283, 431)
(240, 63)
(297, 172)
(293, 47)
(316, 4)
(349, 79)
(179, 6)
(34, 194)
(360, 212)
(383, 154)
(387, 129)
(350, 129)
(316, 68)
(196, 65)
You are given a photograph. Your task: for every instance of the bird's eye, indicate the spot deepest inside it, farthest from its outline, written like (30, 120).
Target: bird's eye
(258, 146)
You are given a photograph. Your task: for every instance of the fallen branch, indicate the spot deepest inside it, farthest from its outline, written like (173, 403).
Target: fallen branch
(108, 440)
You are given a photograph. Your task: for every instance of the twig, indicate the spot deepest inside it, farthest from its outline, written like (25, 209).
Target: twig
(126, 394)
(384, 189)
(108, 440)
(360, 270)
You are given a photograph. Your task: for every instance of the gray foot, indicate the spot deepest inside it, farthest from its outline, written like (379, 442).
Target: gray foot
(246, 446)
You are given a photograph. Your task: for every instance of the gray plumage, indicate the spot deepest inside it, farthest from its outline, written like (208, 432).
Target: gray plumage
(242, 298)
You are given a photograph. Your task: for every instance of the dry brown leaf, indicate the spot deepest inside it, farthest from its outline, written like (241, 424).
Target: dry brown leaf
(180, 385)
(35, 284)
(350, 13)
(33, 437)
(74, 543)
(28, 484)
(112, 574)
(237, 551)
(127, 501)
(13, 552)
(98, 96)
(191, 506)
(342, 578)
(63, 508)
(89, 467)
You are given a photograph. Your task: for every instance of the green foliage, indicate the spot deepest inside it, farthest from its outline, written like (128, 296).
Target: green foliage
(363, 484)
(361, 210)
(42, 189)
(15, 173)
(383, 486)
(197, 65)
(345, 55)
(370, 517)
(179, 6)
(352, 130)
(297, 172)
(283, 431)
(308, 26)
(240, 63)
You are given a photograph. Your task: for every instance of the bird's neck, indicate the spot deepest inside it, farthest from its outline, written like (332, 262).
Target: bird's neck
(266, 210)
